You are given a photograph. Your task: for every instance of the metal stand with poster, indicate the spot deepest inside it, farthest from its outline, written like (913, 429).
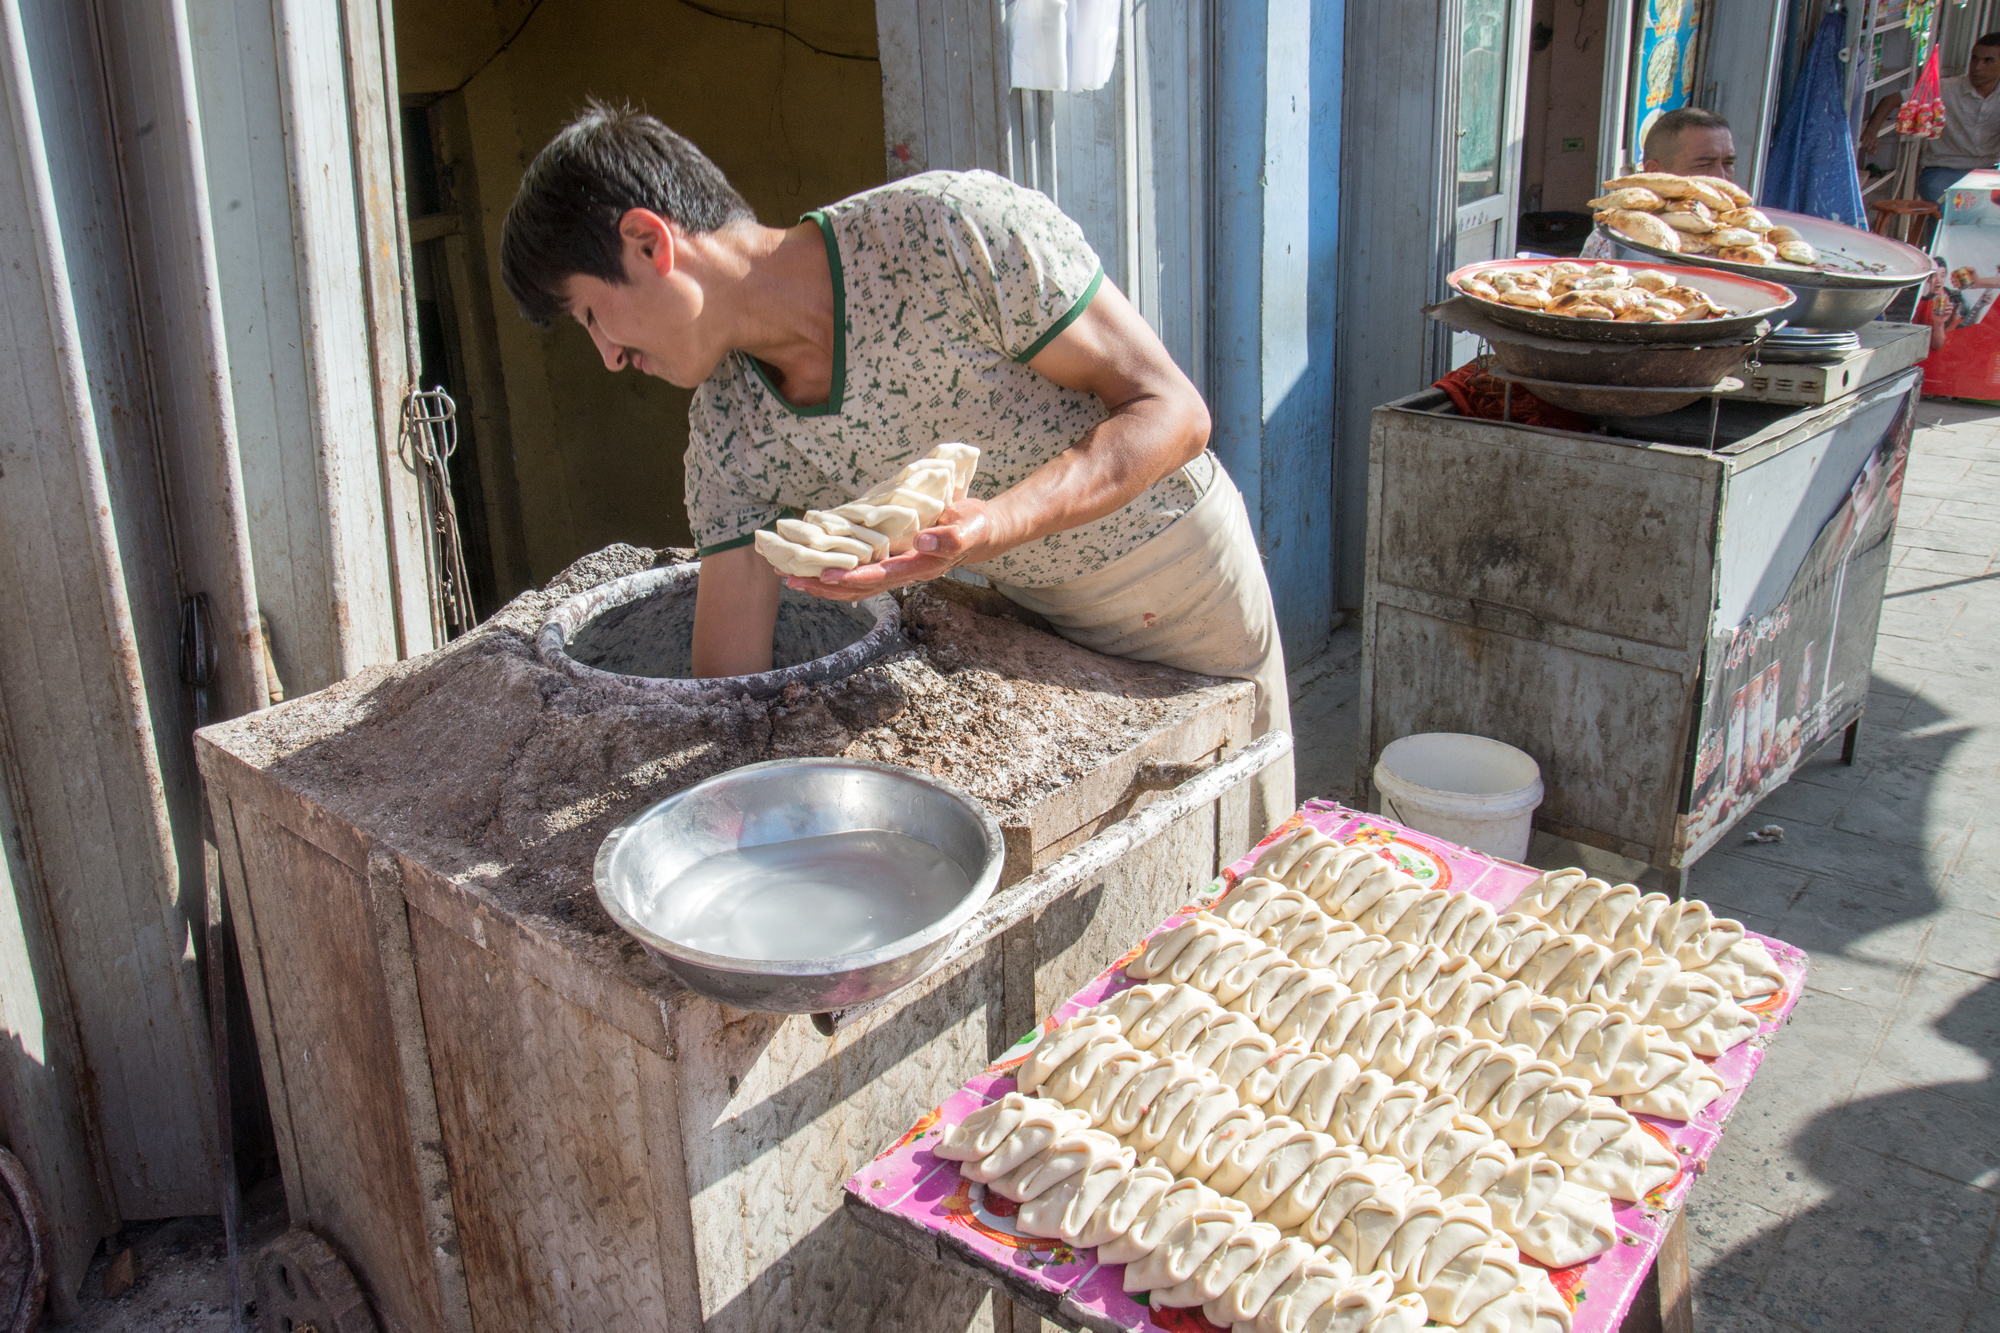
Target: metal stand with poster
(1691, 620)
(1965, 330)
(1779, 685)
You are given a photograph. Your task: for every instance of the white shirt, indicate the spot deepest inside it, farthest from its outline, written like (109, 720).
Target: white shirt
(1971, 138)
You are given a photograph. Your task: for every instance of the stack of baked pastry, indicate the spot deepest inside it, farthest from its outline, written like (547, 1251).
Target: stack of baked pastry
(1698, 215)
(882, 523)
(1341, 1100)
(1594, 291)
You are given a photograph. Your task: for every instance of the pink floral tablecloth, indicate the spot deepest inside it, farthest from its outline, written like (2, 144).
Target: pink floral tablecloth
(910, 1183)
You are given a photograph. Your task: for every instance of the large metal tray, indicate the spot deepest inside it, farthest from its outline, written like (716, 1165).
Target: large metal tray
(1858, 259)
(1873, 269)
(1753, 299)
(1636, 365)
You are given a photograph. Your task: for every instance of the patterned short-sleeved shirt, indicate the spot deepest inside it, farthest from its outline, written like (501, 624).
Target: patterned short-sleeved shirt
(945, 285)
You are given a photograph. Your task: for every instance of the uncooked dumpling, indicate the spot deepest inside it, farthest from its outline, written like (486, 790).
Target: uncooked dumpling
(1074, 1151)
(1091, 1079)
(1055, 1047)
(1680, 1096)
(1066, 1210)
(819, 539)
(836, 526)
(1176, 955)
(1278, 1170)
(799, 561)
(1249, 1153)
(1218, 1272)
(1251, 1291)
(1286, 851)
(881, 523)
(1128, 1204)
(983, 1130)
(1746, 970)
(1629, 1168)
(1473, 1280)
(1040, 1125)
(1185, 1248)
(1311, 1286)
(1573, 1227)
(1721, 1029)
(1180, 1200)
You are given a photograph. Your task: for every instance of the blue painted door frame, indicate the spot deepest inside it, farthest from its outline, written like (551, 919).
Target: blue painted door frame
(1277, 172)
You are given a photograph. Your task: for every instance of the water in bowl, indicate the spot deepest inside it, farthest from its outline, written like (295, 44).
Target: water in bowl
(821, 897)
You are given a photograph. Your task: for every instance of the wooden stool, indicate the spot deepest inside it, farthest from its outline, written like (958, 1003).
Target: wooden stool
(1892, 218)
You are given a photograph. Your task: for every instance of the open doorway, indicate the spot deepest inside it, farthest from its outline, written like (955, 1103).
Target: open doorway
(1561, 148)
(559, 458)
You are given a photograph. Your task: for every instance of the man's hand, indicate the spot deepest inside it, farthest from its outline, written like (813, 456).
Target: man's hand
(1871, 133)
(962, 535)
(1157, 423)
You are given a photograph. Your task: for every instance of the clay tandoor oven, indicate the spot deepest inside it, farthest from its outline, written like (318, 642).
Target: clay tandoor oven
(502, 1115)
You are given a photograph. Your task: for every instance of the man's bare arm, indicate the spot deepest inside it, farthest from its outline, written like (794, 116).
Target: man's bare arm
(1157, 423)
(1872, 131)
(735, 613)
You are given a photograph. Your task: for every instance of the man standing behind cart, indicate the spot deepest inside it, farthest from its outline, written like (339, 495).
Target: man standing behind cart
(1687, 141)
(947, 306)
(1971, 137)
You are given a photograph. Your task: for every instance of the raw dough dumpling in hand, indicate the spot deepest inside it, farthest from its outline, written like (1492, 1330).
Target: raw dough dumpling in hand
(882, 523)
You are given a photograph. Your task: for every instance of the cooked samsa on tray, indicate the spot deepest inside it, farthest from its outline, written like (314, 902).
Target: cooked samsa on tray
(1594, 291)
(1698, 215)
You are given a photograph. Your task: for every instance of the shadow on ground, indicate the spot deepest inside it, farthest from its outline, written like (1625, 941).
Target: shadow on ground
(1854, 1189)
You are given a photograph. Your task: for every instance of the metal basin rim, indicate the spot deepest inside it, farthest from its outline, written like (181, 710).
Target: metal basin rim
(982, 887)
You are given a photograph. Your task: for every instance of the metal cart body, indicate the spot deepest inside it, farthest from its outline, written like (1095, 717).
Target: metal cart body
(1615, 606)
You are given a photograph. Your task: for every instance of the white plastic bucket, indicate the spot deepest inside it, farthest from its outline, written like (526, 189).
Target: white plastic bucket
(1476, 792)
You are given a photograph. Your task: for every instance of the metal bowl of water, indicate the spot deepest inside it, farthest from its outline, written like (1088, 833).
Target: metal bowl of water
(801, 886)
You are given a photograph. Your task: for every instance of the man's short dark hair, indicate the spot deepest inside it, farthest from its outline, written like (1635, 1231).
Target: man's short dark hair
(607, 161)
(1990, 39)
(1668, 129)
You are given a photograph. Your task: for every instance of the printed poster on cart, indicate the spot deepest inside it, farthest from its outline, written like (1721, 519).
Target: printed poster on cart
(1776, 687)
(1964, 305)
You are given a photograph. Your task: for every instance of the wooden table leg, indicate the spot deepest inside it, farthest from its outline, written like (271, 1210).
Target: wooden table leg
(1665, 1300)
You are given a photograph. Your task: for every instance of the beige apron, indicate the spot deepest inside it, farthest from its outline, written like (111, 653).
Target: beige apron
(1193, 597)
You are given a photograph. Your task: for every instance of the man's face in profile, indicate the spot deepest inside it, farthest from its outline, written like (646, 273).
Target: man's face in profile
(1699, 152)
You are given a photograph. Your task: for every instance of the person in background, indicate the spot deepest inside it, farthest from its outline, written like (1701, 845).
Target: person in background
(1971, 137)
(1689, 141)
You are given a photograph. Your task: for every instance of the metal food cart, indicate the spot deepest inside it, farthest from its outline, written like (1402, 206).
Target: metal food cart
(1669, 615)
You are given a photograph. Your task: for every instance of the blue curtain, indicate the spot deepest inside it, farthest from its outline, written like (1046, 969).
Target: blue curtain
(1811, 168)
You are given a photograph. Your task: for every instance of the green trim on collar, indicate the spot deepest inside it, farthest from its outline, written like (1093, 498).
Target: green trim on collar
(784, 511)
(1082, 303)
(702, 552)
(838, 388)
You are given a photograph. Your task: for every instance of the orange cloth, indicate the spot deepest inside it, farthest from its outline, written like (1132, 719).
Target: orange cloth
(1478, 394)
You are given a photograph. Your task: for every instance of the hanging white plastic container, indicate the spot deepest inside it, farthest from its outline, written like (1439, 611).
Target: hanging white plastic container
(1471, 790)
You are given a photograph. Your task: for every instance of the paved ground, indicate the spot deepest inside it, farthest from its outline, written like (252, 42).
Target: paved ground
(1323, 718)
(1858, 1187)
